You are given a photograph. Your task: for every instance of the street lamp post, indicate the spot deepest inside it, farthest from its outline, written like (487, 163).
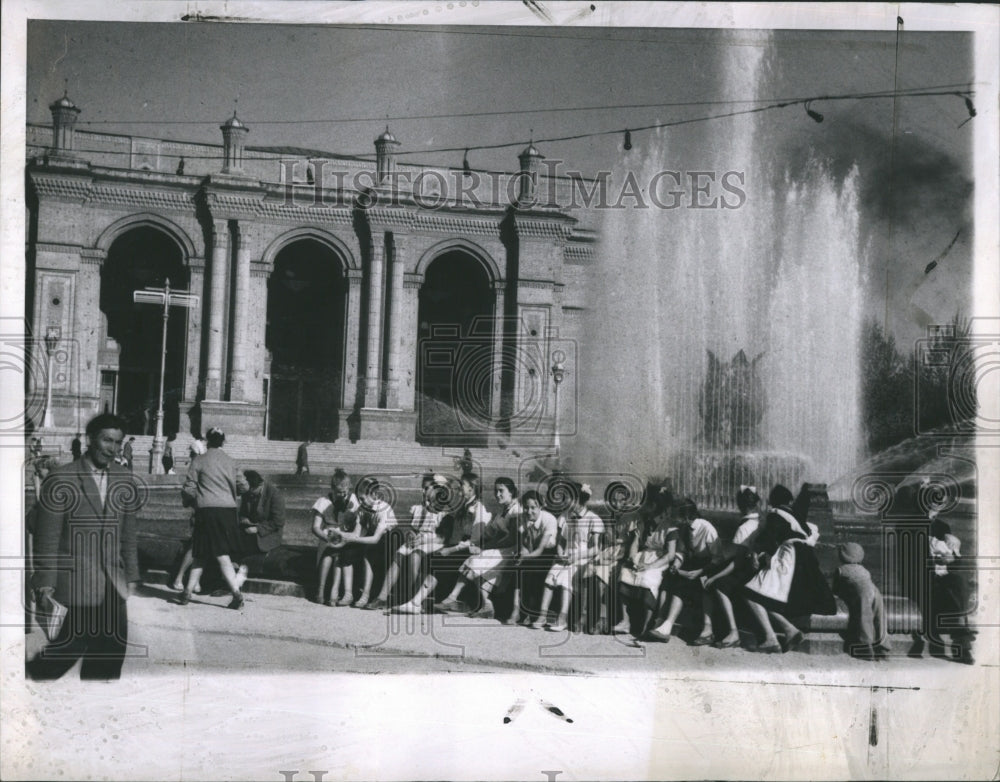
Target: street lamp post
(558, 374)
(52, 336)
(164, 297)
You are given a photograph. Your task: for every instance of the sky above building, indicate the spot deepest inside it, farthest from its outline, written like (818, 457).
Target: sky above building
(334, 88)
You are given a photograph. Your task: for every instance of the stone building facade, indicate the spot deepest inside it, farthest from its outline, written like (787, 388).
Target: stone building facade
(337, 298)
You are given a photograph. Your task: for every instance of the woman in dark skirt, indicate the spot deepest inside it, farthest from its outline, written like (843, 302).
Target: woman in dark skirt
(212, 486)
(790, 583)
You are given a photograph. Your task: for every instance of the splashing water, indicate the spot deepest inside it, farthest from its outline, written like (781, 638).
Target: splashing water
(676, 294)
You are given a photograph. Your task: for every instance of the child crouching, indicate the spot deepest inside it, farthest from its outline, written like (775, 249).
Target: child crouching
(866, 611)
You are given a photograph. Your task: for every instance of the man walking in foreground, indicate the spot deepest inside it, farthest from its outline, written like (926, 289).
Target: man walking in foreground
(86, 557)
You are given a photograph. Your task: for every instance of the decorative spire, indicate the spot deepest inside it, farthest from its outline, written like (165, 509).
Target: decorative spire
(64, 116)
(385, 155)
(234, 133)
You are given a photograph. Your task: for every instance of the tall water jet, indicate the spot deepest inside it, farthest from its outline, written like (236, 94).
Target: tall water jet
(722, 340)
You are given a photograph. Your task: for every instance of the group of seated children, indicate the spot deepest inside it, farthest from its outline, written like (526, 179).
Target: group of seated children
(643, 570)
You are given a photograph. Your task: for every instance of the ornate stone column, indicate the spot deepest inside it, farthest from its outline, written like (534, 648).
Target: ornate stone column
(409, 340)
(352, 342)
(498, 348)
(196, 285)
(395, 336)
(88, 317)
(218, 272)
(241, 310)
(375, 285)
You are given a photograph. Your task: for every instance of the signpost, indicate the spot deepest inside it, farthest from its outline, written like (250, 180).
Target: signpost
(166, 299)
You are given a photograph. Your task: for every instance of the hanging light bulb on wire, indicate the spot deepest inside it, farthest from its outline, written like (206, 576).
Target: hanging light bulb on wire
(813, 115)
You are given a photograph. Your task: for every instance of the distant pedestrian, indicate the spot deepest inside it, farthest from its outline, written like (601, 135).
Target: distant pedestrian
(302, 458)
(212, 486)
(865, 607)
(127, 453)
(168, 457)
(76, 447)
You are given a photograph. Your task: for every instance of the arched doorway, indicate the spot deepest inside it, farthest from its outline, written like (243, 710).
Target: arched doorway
(144, 257)
(306, 313)
(455, 353)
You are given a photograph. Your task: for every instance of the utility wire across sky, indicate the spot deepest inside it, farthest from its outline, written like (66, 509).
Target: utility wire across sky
(962, 91)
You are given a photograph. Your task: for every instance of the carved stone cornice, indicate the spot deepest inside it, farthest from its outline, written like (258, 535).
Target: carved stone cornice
(304, 213)
(545, 285)
(93, 256)
(390, 218)
(535, 228)
(411, 280)
(62, 187)
(354, 277)
(258, 269)
(233, 205)
(55, 247)
(455, 224)
(140, 198)
(578, 254)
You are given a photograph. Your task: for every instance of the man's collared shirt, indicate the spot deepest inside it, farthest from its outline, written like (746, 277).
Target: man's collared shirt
(100, 476)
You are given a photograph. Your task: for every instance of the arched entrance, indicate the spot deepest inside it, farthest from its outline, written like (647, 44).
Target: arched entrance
(306, 313)
(456, 349)
(139, 258)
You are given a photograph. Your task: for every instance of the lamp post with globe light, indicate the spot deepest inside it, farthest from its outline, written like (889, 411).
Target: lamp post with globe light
(558, 375)
(52, 336)
(166, 298)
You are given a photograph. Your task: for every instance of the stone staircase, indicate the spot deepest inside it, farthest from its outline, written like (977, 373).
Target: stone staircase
(277, 456)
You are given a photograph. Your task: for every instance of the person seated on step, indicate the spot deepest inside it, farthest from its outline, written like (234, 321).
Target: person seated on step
(460, 534)
(375, 519)
(491, 567)
(700, 555)
(420, 539)
(789, 582)
(538, 531)
(577, 544)
(330, 515)
(853, 584)
(262, 520)
(739, 565)
(652, 546)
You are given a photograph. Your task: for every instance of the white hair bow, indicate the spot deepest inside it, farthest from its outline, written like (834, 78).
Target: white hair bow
(748, 488)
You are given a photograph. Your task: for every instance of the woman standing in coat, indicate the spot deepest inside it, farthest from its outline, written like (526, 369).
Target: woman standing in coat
(212, 486)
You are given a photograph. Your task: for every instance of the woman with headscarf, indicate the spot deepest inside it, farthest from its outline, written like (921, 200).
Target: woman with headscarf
(789, 583)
